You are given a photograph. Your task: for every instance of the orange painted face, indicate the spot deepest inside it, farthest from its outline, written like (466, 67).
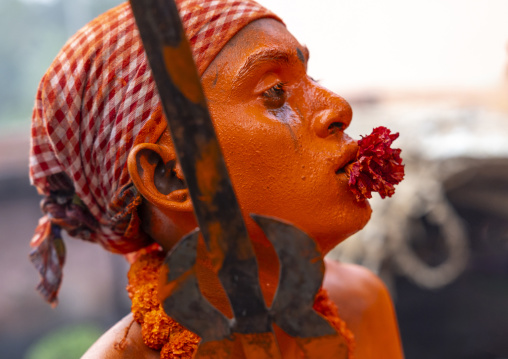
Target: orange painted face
(282, 134)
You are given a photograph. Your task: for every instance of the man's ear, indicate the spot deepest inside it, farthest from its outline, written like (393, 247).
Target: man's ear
(154, 172)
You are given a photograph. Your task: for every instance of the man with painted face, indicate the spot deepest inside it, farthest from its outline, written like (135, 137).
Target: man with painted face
(102, 156)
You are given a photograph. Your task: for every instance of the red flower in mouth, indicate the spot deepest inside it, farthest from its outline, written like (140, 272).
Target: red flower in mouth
(377, 167)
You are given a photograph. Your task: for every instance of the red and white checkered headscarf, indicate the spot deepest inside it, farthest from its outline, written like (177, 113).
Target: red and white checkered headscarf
(90, 107)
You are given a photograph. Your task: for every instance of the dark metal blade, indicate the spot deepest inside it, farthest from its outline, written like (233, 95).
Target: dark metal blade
(301, 274)
(184, 301)
(215, 205)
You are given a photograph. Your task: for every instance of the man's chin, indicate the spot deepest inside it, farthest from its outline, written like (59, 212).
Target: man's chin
(356, 223)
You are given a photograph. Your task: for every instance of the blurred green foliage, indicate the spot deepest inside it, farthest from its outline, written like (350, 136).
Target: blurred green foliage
(33, 31)
(64, 343)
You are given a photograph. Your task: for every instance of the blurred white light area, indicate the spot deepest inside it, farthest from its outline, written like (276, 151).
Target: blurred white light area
(45, 2)
(400, 44)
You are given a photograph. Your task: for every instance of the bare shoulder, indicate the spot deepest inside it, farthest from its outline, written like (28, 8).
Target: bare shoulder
(365, 304)
(123, 340)
(353, 285)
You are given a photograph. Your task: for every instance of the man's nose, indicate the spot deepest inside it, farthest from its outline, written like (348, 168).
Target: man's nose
(332, 113)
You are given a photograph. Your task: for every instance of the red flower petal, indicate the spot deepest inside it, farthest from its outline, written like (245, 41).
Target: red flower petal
(378, 167)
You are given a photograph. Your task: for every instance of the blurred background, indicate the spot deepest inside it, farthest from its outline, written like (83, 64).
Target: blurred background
(436, 71)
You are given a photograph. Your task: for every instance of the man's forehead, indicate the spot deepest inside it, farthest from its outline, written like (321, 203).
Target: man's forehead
(272, 55)
(261, 44)
(282, 51)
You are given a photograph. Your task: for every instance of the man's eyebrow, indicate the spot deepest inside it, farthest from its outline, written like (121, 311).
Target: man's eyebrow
(260, 58)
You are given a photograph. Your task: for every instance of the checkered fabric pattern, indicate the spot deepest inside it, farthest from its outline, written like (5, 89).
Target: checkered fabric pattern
(98, 93)
(95, 101)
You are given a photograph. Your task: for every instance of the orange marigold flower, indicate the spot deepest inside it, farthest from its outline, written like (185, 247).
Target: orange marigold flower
(155, 329)
(159, 331)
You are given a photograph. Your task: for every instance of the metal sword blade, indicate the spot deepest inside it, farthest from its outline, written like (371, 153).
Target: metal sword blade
(219, 216)
(215, 205)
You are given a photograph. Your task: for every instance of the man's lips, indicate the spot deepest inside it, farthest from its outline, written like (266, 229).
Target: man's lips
(344, 169)
(347, 159)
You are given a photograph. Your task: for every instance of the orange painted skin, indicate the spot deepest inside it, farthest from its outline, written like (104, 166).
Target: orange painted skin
(283, 139)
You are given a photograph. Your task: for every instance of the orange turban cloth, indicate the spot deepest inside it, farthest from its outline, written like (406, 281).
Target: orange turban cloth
(90, 107)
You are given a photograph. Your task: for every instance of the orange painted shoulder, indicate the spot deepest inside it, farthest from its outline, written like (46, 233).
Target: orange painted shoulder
(365, 304)
(123, 340)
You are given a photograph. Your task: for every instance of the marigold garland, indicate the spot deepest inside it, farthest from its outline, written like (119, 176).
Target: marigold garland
(160, 332)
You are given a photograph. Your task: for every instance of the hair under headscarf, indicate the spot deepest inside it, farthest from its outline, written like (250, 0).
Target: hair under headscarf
(95, 101)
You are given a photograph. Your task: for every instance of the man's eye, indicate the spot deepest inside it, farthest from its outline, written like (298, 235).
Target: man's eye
(275, 97)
